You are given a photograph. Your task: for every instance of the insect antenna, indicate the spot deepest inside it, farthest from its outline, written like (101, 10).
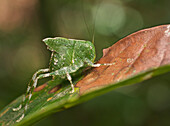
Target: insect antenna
(94, 23)
(91, 34)
(84, 18)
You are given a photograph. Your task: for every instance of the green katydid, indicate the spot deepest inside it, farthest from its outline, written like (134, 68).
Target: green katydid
(67, 57)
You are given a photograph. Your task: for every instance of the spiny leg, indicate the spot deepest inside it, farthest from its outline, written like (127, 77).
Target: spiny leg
(104, 64)
(97, 64)
(57, 72)
(23, 100)
(29, 88)
(70, 79)
(33, 87)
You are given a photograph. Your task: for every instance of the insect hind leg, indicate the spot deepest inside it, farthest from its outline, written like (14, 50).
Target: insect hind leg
(32, 84)
(29, 87)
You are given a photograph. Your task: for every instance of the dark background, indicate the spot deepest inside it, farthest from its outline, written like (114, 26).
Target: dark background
(24, 23)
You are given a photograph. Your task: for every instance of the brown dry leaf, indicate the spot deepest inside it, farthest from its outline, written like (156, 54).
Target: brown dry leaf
(138, 52)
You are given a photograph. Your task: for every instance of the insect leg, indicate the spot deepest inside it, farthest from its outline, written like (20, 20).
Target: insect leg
(70, 79)
(29, 87)
(97, 64)
(59, 72)
(104, 64)
(34, 84)
(29, 91)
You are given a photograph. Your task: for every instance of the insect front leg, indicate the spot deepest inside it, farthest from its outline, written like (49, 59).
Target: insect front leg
(90, 63)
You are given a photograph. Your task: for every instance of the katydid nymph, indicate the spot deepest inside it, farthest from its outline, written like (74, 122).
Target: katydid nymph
(67, 57)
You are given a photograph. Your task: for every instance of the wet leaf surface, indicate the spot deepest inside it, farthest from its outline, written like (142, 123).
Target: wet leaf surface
(137, 57)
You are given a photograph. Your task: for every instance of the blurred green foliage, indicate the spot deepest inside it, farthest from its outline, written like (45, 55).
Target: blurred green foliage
(23, 24)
